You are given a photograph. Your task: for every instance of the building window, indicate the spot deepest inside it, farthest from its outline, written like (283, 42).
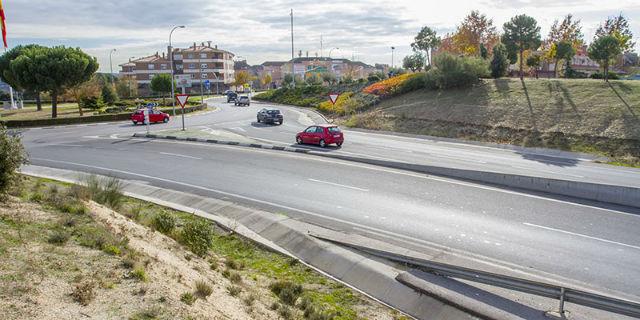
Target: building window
(204, 76)
(177, 57)
(193, 76)
(163, 66)
(151, 66)
(190, 56)
(151, 76)
(192, 65)
(203, 56)
(203, 66)
(179, 66)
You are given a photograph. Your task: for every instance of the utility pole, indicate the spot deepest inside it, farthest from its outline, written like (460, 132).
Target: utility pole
(321, 47)
(293, 70)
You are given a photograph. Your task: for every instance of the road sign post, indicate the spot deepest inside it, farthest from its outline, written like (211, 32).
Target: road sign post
(182, 100)
(146, 118)
(333, 97)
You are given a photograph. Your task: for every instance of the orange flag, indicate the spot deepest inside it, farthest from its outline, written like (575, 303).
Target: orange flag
(4, 26)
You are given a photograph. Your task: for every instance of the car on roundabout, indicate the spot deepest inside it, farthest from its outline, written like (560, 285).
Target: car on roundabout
(154, 116)
(232, 97)
(322, 135)
(270, 115)
(243, 101)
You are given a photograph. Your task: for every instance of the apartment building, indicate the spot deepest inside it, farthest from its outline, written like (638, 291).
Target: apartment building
(304, 66)
(202, 62)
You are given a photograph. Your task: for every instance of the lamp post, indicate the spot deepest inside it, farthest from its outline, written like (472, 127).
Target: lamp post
(173, 95)
(111, 66)
(130, 80)
(392, 49)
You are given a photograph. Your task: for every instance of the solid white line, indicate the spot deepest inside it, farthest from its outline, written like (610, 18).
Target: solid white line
(339, 185)
(180, 155)
(580, 235)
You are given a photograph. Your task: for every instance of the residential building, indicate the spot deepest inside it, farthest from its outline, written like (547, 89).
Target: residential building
(201, 62)
(304, 66)
(204, 62)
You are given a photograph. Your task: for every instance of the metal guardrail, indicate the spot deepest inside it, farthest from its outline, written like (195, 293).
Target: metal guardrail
(561, 293)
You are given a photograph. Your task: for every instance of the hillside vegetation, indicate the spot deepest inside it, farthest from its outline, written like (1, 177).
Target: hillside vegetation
(580, 115)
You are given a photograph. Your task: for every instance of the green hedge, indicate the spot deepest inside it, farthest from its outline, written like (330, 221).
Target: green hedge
(88, 119)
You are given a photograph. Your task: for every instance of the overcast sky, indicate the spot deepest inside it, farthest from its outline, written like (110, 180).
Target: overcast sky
(259, 30)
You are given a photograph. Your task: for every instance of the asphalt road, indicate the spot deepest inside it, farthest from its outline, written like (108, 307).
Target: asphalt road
(598, 247)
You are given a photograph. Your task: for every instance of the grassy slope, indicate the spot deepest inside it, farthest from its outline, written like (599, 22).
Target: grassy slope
(584, 107)
(579, 115)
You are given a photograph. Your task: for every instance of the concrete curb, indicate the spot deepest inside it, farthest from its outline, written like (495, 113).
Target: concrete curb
(291, 237)
(619, 195)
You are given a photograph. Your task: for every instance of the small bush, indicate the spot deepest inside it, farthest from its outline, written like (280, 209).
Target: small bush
(287, 291)
(58, 237)
(111, 193)
(213, 263)
(79, 192)
(83, 292)
(148, 314)
(456, 72)
(139, 274)
(234, 291)
(36, 196)
(164, 222)
(250, 299)
(233, 264)
(203, 289)
(197, 235)
(188, 298)
(233, 276)
(112, 250)
(285, 312)
(12, 156)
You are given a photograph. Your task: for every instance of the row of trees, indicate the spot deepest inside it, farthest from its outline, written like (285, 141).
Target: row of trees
(521, 42)
(40, 69)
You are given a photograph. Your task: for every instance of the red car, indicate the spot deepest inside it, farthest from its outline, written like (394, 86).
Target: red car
(322, 134)
(154, 116)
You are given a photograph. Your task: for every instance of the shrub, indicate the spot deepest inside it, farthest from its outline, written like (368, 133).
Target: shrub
(83, 292)
(12, 156)
(234, 290)
(188, 298)
(112, 250)
(457, 72)
(203, 289)
(109, 95)
(234, 264)
(91, 102)
(164, 222)
(58, 237)
(197, 235)
(250, 299)
(111, 193)
(389, 86)
(287, 291)
(285, 312)
(139, 274)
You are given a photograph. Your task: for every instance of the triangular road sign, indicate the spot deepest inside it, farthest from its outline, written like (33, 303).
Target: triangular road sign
(333, 97)
(182, 99)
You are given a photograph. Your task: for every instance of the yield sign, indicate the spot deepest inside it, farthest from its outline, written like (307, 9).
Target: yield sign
(333, 97)
(182, 99)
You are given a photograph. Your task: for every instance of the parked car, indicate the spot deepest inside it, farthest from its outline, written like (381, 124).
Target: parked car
(243, 101)
(232, 96)
(322, 135)
(154, 116)
(270, 115)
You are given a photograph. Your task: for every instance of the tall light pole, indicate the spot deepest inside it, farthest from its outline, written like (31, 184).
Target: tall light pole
(173, 95)
(293, 63)
(392, 49)
(130, 80)
(111, 66)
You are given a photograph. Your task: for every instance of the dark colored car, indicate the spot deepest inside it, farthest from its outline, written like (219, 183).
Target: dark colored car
(322, 135)
(232, 96)
(243, 101)
(154, 116)
(226, 93)
(270, 115)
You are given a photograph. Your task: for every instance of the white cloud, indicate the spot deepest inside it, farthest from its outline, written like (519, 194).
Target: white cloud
(259, 30)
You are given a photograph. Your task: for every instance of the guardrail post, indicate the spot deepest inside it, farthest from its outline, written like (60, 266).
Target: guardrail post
(561, 310)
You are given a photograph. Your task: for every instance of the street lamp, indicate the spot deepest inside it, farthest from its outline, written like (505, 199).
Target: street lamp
(131, 80)
(173, 95)
(332, 50)
(111, 66)
(392, 49)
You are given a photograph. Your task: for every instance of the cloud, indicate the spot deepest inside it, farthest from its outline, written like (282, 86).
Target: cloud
(259, 30)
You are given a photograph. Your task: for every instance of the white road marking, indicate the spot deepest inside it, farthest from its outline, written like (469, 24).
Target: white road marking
(581, 235)
(114, 136)
(239, 129)
(382, 169)
(548, 171)
(339, 185)
(180, 155)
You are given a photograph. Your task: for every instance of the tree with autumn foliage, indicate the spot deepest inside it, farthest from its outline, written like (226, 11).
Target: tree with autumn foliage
(564, 39)
(474, 33)
(618, 27)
